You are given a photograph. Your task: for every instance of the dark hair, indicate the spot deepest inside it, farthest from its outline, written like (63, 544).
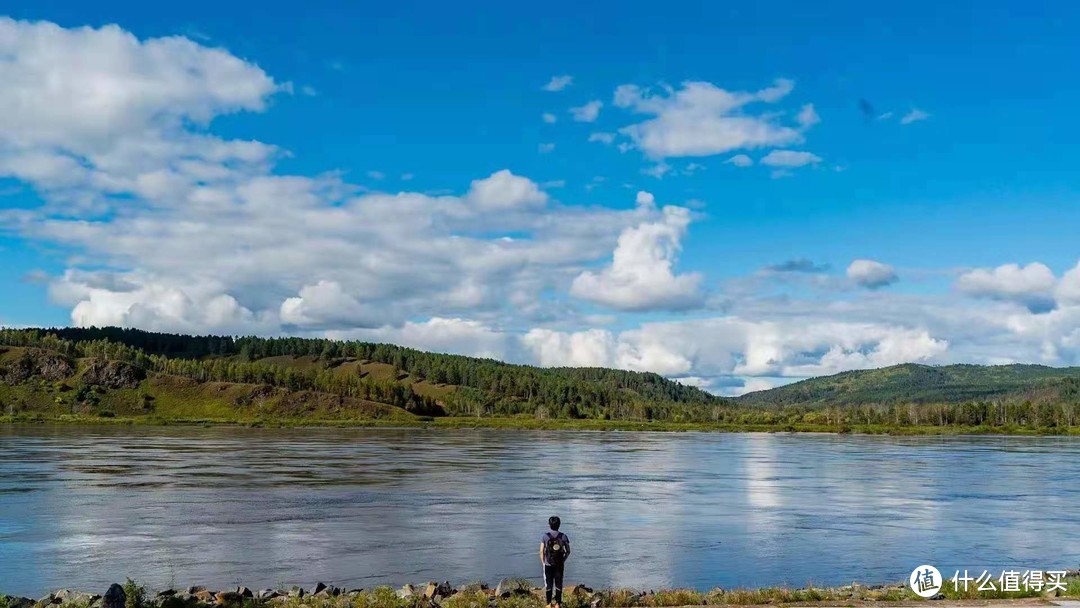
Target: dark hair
(554, 522)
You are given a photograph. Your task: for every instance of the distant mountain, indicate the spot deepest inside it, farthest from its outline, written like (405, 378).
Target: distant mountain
(914, 383)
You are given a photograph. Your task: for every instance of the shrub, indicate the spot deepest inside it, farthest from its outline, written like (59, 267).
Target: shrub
(135, 595)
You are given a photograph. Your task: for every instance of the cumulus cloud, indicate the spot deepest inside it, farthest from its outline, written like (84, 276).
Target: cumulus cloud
(1068, 288)
(199, 231)
(549, 118)
(871, 274)
(740, 160)
(641, 275)
(789, 159)
(86, 112)
(167, 226)
(701, 119)
(558, 83)
(1032, 285)
(915, 115)
(327, 304)
(588, 112)
(504, 190)
(807, 116)
(712, 349)
(604, 138)
(546, 148)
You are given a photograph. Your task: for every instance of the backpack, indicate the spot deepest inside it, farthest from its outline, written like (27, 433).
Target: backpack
(556, 548)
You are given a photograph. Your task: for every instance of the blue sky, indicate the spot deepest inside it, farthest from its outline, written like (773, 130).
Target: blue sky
(965, 211)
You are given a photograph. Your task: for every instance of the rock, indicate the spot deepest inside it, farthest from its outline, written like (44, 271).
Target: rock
(204, 596)
(297, 592)
(244, 592)
(166, 593)
(176, 600)
(267, 594)
(940, 596)
(66, 596)
(437, 590)
(37, 363)
(354, 593)
(578, 590)
(318, 588)
(473, 588)
(113, 374)
(195, 589)
(228, 598)
(513, 586)
(16, 602)
(406, 592)
(114, 597)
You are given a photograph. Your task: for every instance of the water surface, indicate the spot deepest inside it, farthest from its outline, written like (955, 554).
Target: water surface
(172, 506)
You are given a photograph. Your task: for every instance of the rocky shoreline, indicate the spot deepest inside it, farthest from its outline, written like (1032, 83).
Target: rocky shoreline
(509, 593)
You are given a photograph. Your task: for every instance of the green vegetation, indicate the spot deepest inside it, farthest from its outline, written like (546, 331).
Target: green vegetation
(113, 375)
(134, 595)
(576, 596)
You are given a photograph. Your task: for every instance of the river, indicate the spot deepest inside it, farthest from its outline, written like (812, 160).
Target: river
(82, 507)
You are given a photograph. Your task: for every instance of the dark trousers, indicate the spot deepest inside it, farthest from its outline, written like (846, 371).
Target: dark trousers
(553, 582)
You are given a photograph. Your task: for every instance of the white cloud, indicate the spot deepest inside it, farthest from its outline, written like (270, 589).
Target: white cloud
(591, 348)
(641, 275)
(659, 170)
(549, 118)
(1032, 285)
(199, 231)
(914, 115)
(327, 304)
(807, 116)
(701, 119)
(558, 83)
(715, 348)
(588, 112)
(546, 148)
(789, 158)
(504, 190)
(1068, 288)
(871, 274)
(165, 225)
(85, 113)
(376, 175)
(604, 138)
(740, 160)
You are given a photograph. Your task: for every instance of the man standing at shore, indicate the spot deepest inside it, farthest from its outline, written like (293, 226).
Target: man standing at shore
(554, 551)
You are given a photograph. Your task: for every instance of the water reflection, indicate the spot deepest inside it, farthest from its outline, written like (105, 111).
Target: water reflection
(80, 507)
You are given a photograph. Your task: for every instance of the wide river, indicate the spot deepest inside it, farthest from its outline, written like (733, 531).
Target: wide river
(172, 506)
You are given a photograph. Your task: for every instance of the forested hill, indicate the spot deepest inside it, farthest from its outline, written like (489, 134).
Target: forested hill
(912, 383)
(419, 382)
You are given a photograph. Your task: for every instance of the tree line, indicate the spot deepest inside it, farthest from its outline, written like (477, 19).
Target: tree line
(484, 387)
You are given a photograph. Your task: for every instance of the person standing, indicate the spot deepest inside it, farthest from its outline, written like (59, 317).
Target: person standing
(554, 551)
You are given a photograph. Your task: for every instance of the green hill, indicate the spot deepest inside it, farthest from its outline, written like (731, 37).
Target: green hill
(72, 373)
(127, 372)
(923, 384)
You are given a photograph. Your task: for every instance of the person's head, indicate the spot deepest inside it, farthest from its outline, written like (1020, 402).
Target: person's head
(554, 522)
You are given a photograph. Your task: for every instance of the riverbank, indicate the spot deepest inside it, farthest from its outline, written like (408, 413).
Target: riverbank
(535, 424)
(520, 593)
